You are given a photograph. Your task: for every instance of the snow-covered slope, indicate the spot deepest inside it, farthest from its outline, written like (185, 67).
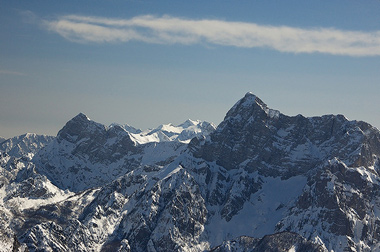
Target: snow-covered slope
(168, 132)
(338, 158)
(262, 181)
(25, 145)
(284, 241)
(21, 190)
(86, 154)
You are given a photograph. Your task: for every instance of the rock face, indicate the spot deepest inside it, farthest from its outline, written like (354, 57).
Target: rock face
(86, 154)
(339, 158)
(264, 140)
(340, 204)
(20, 186)
(284, 241)
(262, 181)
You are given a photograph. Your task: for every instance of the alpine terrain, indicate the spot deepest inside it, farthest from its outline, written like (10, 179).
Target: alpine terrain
(259, 181)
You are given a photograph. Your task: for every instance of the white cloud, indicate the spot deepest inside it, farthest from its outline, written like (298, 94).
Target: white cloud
(172, 30)
(7, 72)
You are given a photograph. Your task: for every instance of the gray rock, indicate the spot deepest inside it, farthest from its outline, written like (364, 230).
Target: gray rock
(264, 140)
(279, 242)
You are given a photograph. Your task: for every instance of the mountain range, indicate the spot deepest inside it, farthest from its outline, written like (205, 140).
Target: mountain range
(259, 181)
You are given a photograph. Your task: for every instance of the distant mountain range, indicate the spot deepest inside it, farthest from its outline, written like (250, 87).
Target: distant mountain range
(260, 181)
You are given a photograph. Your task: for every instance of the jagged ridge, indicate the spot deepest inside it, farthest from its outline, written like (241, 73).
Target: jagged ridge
(290, 182)
(262, 139)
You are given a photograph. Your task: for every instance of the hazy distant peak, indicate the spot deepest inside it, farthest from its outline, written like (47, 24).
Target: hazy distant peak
(189, 123)
(131, 129)
(183, 132)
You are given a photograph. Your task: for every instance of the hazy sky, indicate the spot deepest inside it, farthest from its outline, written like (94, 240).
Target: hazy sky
(151, 62)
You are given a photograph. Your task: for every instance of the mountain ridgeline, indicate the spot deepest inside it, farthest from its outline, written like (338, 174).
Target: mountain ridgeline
(260, 181)
(279, 145)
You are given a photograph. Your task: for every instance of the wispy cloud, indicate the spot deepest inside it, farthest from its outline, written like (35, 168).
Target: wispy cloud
(172, 30)
(7, 72)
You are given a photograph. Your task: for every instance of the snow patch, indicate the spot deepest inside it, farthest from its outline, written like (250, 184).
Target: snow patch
(34, 203)
(260, 214)
(292, 249)
(168, 132)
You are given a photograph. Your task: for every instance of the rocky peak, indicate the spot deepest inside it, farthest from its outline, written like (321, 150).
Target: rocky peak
(258, 138)
(250, 106)
(248, 114)
(116, 130)
(131, 129)
(97, 154)
(188, 123)
(80, 127)
(80, 118)
(95, 140)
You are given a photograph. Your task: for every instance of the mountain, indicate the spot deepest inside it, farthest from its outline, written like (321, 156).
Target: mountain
(260, 181)
(25, 145)
(264, 140)
(86, 154)
(335, 162)
(21, 188)
(168, 132)
(284, 241)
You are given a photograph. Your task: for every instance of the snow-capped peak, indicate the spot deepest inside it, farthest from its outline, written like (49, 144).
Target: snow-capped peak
(188, 123)
(126, 127)
(183, 132)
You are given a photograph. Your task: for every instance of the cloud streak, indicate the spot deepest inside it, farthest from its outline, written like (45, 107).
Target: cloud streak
(172, 30)
(7, 72)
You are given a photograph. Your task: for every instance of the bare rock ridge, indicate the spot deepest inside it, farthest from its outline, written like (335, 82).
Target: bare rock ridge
(260, 181)
(262, 139)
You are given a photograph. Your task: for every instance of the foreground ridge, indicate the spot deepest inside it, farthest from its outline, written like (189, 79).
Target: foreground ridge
(260, 181)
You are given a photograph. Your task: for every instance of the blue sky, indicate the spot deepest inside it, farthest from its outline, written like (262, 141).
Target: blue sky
(151, 62)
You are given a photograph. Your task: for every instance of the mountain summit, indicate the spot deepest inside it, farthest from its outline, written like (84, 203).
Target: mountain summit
(94, 154)
(256, 137)
(79, 128)
(248, 107)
